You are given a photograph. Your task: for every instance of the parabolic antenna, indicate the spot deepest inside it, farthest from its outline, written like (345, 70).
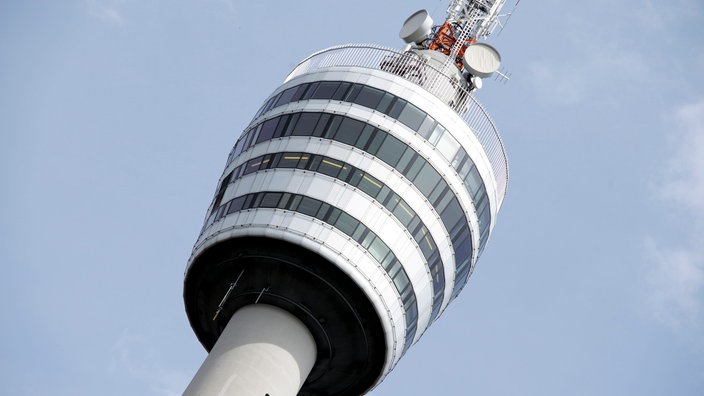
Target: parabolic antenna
(482, 60)
(417, 27)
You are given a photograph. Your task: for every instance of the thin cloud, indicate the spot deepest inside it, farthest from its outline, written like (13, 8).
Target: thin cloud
(110, 11)
(135, 358)
(653, 15)
(676, 285)
(600, 67)
(686, 168)
(676, 273)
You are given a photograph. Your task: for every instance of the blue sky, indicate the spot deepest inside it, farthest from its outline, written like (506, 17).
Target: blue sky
(116, 118)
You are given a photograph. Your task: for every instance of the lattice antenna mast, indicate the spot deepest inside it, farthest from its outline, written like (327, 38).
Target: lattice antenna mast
(466, 61)
(467, 21)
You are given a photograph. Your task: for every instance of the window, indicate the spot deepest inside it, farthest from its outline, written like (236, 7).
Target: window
(412, 117)
(325, 90)
(403, 212)
(390, 152)
(369, 97)
(370, 185)
(346, 223)
(267, 131)
(330, 167)
(427, 127)
(308, 206)
(271, 200)
(427, 179)
(349, 131)
(341, 91)
(448, 146)
(299, 92)
(285, 96)
(306, 124)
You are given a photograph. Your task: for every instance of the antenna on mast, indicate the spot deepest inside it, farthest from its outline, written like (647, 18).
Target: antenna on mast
(467, 21)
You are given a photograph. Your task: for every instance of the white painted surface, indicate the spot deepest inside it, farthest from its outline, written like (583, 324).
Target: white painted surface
(263, 350)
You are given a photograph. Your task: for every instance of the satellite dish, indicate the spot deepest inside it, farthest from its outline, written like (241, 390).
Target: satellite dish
(482, 60)
(417, 27)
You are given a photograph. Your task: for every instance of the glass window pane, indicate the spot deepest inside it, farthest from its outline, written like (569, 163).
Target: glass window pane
(341, 91)
(333, 215)
(285, 96)
(332, 127)
(369, 185)
(236, 205)
(290, 160)
(364, 136)
(271, 200)
(330, 167)
(436, 134)
(323, 211)
(397, 107)
(403, 212)
(349, 131)
(322, 124)
(385, 102)
(390, 152)
(452, 212)
(448, 146)
(251, 166)
(325, 90)
(309, 92)
(378, 249)
(267, 130)
(411, 171)
(383, 195)
(355, 177)
(353, 92)
(473, 181)
(344, 172)
(427, 127)
(284, 201)
(313, 163)
(407, 156)
(438, 191)
(369, 97)
(367, 239)
(306, 124)
(308, 206)
(293, 203)
(412, 117)
(289, 126)
(401, 281)
(300, 90)
(427, 179)
(283, 123)
(375, 142)
(346, 223)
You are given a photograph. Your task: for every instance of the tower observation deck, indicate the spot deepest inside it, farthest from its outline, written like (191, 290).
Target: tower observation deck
(351, 212)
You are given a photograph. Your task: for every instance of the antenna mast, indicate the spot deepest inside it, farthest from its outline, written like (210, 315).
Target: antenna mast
(454, 42)
(467, 21)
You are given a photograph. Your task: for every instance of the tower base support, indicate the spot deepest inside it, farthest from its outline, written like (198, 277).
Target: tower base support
(263, 350)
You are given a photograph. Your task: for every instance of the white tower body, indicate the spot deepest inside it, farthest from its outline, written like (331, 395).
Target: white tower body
(358, 200)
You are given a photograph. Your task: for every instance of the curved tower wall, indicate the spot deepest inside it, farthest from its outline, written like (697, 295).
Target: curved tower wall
(353, 185)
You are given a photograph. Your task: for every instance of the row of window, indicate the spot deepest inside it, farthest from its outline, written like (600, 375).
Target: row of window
(387, 148)
(348, 225)
(364, 182)
(407, 114)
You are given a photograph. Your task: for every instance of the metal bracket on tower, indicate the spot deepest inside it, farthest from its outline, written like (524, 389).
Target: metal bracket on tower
(227, 295)
(260, 294)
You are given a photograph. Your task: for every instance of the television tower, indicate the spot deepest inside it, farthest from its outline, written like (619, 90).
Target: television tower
(350, 213)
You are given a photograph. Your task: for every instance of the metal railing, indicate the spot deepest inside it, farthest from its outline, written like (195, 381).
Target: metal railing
(443, 85)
